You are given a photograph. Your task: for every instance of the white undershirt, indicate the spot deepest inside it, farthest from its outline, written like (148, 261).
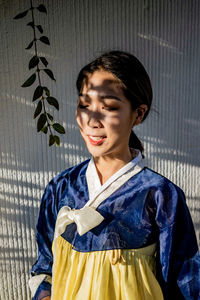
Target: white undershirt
(94, 185)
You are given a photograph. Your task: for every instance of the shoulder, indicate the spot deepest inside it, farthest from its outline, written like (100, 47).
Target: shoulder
(73, 171)
(56, 186)
(68, 174)
(159, 182)
(168, 198)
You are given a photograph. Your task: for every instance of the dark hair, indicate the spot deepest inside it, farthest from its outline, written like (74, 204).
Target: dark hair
(135, 81)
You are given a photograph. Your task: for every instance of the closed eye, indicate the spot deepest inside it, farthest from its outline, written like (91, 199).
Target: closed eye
(81, 106)
(110, 108)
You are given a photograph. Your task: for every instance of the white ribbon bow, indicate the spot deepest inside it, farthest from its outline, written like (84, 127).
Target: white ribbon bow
(85, 218)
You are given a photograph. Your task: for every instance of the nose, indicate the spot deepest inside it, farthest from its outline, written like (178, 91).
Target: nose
(94, 120)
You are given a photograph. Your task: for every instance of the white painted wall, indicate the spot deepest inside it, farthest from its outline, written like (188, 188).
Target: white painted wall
(164, 34)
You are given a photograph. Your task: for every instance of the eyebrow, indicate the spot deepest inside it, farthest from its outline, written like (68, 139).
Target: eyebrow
(102, 96)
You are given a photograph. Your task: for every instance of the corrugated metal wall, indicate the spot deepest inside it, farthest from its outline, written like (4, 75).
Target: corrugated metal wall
(164, 34)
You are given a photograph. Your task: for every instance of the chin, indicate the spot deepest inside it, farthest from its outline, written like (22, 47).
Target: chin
(96, 152)
(99, 151)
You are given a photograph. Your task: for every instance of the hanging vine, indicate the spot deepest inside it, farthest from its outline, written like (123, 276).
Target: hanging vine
(45, 121)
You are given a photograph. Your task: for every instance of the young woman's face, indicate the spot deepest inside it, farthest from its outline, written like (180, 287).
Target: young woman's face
(104, 116)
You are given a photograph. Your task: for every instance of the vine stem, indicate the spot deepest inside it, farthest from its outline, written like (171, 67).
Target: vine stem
(38, 69)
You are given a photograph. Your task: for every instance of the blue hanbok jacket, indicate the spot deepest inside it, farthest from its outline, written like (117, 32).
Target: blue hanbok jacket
(147, 209)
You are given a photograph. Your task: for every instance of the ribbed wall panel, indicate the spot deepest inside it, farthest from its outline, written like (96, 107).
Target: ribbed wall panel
(163, 34)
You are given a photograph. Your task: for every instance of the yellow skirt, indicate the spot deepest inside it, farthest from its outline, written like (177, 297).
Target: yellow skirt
(104, 275)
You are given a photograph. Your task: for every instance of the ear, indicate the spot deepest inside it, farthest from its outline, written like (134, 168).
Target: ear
(140, 111)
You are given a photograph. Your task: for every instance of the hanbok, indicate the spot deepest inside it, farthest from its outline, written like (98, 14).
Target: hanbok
(131, 238)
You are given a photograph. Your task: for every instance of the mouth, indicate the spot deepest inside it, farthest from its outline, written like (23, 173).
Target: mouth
(96, 140)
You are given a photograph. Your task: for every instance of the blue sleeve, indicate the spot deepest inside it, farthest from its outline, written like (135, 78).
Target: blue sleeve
(42, 269)
(43, 290)
(178, 261)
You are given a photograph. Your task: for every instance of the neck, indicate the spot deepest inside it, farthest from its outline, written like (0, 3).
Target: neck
(106, 166)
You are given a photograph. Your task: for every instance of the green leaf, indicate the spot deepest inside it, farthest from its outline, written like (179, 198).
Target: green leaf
(38, 92)
(33, 62)
(49, 73)
(21, 15)
(38, 109)
(47, 92)
(42, 8)
(53, 101)
(29, 46)
(39, 27)
(29, 81)
(51, 140)
(50, 117)
(45, 129)
(57, 140)
(44, 61)
(59, 128)
(30, 24)
(44, 39)
(41, 122)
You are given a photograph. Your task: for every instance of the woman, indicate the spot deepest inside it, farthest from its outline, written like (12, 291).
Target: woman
(117, 230)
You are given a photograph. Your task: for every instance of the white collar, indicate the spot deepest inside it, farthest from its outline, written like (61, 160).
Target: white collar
(94, 185)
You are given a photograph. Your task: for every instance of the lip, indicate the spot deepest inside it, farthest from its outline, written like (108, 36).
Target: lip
(95, 143)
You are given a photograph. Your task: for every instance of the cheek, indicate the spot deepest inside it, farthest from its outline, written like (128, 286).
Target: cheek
(81, 118)
(118, 123)
(113, 123)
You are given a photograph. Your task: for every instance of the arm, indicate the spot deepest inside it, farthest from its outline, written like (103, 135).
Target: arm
(40, 282)
(178, 266)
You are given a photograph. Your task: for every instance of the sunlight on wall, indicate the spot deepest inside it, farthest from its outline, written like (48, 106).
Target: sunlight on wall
(164, 35)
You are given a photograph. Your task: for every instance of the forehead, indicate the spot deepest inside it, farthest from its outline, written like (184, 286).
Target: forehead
(101, 82)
